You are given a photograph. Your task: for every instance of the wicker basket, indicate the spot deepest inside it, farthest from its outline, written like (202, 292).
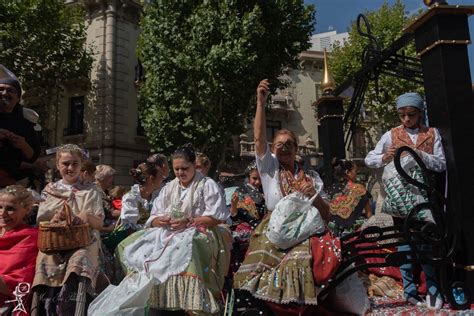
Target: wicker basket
(54, 237)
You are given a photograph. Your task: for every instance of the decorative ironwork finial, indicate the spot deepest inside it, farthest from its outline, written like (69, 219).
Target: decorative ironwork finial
(430, 3)
(328, 83)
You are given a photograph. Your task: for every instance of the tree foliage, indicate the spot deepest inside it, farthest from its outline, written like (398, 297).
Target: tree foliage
(386, 25)
(43, 43)
(203, 60)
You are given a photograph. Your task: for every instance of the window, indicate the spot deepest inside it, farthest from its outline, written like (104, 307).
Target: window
(272, 127)
(76, 116)
(140, 129)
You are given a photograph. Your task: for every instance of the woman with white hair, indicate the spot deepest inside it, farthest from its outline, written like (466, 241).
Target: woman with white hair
(104, 178)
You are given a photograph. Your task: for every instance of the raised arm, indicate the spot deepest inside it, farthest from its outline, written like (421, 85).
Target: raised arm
(260, 125)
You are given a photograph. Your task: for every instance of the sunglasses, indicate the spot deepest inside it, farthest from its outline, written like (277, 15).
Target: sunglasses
(287, 145)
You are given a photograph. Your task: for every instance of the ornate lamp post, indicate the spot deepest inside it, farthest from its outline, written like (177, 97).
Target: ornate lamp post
(330, 113)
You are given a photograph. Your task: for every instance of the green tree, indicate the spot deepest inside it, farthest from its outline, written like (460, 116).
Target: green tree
(203, 60)
(43, 43)
(386, 25)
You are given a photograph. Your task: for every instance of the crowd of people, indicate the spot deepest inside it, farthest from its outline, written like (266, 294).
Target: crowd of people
(179, 239)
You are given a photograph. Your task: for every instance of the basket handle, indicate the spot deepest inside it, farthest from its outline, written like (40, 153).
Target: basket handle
(68, 211)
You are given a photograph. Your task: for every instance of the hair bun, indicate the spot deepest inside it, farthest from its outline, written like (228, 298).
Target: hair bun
(185, 151)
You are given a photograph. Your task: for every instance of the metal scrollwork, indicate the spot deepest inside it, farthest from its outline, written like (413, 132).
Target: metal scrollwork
(377, 61)
(430, 242)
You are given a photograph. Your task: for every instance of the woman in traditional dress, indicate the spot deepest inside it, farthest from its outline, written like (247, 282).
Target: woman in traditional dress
(426, 141)
(349, 201)
(136, 206)
(185, 251)
(281, 278)
(65, 281)
(247, 210)
(161, 163)
(18, 246)
(137, 203)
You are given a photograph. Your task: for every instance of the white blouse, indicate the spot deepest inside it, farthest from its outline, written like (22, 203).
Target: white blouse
(132, 204)
(435, 162)
(209, 201)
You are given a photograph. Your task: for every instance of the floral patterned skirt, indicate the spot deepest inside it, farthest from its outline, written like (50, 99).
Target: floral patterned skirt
(198, 288)
(276, 275)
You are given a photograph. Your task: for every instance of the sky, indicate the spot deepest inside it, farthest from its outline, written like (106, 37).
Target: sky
(338, 14)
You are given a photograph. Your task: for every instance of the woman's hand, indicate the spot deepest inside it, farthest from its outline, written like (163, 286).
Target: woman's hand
(206, 221)
(161, 221)
(59, 216)
(388, 156)
(263, 90)
(308, 189)
(178, 224)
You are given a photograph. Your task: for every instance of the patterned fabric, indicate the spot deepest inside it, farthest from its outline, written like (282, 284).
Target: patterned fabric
(290, 183)
(384, 286)
(251, 205)
(275, 275)
(250, 211)
(198, 287)
(424, 141)
(347, 202)
(401, 195)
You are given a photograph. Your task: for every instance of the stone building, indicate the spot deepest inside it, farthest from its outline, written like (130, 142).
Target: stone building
(102, 115)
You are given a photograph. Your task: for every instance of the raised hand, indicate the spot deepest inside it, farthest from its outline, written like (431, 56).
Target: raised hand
(263, 90)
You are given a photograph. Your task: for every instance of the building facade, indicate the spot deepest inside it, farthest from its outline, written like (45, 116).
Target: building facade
(102, 115)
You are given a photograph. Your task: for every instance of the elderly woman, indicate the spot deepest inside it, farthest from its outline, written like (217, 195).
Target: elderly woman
(280, 277)
(203, 164)
(426, 141)
(104, 178)
(184, 251)
(65, 281)
(18, 241)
